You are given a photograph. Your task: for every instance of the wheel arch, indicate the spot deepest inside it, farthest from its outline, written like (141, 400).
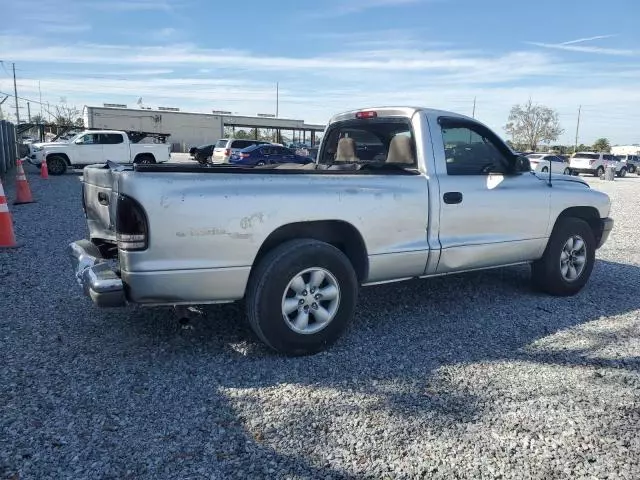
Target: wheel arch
(588, 214)
(142, 155)
(58, 154)
(342, 235)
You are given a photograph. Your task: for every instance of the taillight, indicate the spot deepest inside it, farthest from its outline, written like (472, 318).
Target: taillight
(131, 225)
(227, 152)
(244, 155)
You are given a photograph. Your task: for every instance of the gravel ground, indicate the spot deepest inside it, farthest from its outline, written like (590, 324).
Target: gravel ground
(473, 376)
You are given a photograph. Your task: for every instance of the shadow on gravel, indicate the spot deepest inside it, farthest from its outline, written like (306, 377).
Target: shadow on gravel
(129, 394)
(391, 356)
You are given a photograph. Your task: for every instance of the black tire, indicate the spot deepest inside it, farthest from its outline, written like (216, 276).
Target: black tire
(56, 165)
(622, 173)
(260, 164)
(567, 171)
(269, 282)
(545, 170)
(599, 171)
(145, 159)
(546, 272)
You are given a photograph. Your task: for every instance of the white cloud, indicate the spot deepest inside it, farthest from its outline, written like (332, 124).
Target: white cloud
(587, 49)
(588, 39)
(314, 88)
(358, 6)
(131, 5)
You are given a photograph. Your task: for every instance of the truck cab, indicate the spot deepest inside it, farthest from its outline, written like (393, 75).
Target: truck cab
(98, 146)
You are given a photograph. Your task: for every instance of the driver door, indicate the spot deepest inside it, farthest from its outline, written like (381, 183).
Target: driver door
(489, 215)
(88, 149)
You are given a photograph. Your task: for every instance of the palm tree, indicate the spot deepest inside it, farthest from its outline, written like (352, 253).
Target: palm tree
(602, 145)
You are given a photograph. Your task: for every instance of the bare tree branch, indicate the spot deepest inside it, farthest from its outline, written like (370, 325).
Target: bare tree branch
(531, 124)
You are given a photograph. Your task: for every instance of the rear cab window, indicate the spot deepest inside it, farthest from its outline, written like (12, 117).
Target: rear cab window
(241, 144)
(378, 141)
(590, 156)
(221, 144)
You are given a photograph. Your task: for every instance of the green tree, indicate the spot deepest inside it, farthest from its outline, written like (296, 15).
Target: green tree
(602, 145)
(531, 124)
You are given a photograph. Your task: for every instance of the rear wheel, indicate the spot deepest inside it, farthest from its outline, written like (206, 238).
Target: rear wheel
(260, 163)
(567, 171)
(599, 171)
(301, 297)
(545, 169)
(144, 160)
(568, 259)
(622, 172)
(56, 165)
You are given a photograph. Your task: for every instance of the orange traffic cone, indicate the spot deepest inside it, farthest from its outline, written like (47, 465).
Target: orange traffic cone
(23, 192)
(44, 171)
(7, 237)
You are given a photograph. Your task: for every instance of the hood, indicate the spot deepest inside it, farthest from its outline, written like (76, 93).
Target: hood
(558, 177)
(48, 144)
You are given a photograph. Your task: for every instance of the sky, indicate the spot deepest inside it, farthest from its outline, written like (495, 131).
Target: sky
(332, 55)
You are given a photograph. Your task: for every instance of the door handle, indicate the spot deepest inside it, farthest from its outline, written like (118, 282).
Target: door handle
(452, 197)
(103, 199)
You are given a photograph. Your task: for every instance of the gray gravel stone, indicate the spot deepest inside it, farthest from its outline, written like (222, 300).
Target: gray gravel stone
(473, 376)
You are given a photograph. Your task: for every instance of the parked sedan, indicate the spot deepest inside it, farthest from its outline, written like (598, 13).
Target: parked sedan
(542, 162)
(257, 155)
(203, 152)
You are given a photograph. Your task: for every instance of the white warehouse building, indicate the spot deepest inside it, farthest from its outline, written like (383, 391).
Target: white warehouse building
(626, 150)
(188, 129)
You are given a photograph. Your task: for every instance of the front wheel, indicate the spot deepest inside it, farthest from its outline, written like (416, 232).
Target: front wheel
(622, 172)
(568, 259)
(599, 172)
(56, 165)
(545, 170)
(301, 296)
(567, 171)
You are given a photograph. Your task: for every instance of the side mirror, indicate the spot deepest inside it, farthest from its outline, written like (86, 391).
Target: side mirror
(522, 164)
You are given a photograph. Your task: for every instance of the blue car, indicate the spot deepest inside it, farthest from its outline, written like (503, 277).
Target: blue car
(257, 155)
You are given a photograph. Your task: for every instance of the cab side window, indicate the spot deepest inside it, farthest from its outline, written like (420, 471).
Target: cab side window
(469, 152)
(111, 139)
(88, 139)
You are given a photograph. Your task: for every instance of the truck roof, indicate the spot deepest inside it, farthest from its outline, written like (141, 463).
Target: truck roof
(403, 111)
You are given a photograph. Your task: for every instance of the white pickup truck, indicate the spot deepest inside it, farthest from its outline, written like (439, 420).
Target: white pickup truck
(430, 193)
(97, 146)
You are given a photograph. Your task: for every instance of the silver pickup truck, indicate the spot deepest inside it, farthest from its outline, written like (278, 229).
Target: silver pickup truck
(395, 194)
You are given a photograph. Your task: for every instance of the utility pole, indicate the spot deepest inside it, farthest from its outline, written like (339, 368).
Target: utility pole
(575, 148)
(277, 98)
(29, 111)
(40, 92)
(15, 93)
(474, 108)
(1, 102)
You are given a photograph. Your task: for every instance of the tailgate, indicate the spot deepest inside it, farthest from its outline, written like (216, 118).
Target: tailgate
(98, 200)
(580, 163)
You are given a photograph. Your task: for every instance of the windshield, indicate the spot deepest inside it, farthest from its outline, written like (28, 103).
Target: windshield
(591, 156)
(535, 157)
(72, 139)
(376, 140)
